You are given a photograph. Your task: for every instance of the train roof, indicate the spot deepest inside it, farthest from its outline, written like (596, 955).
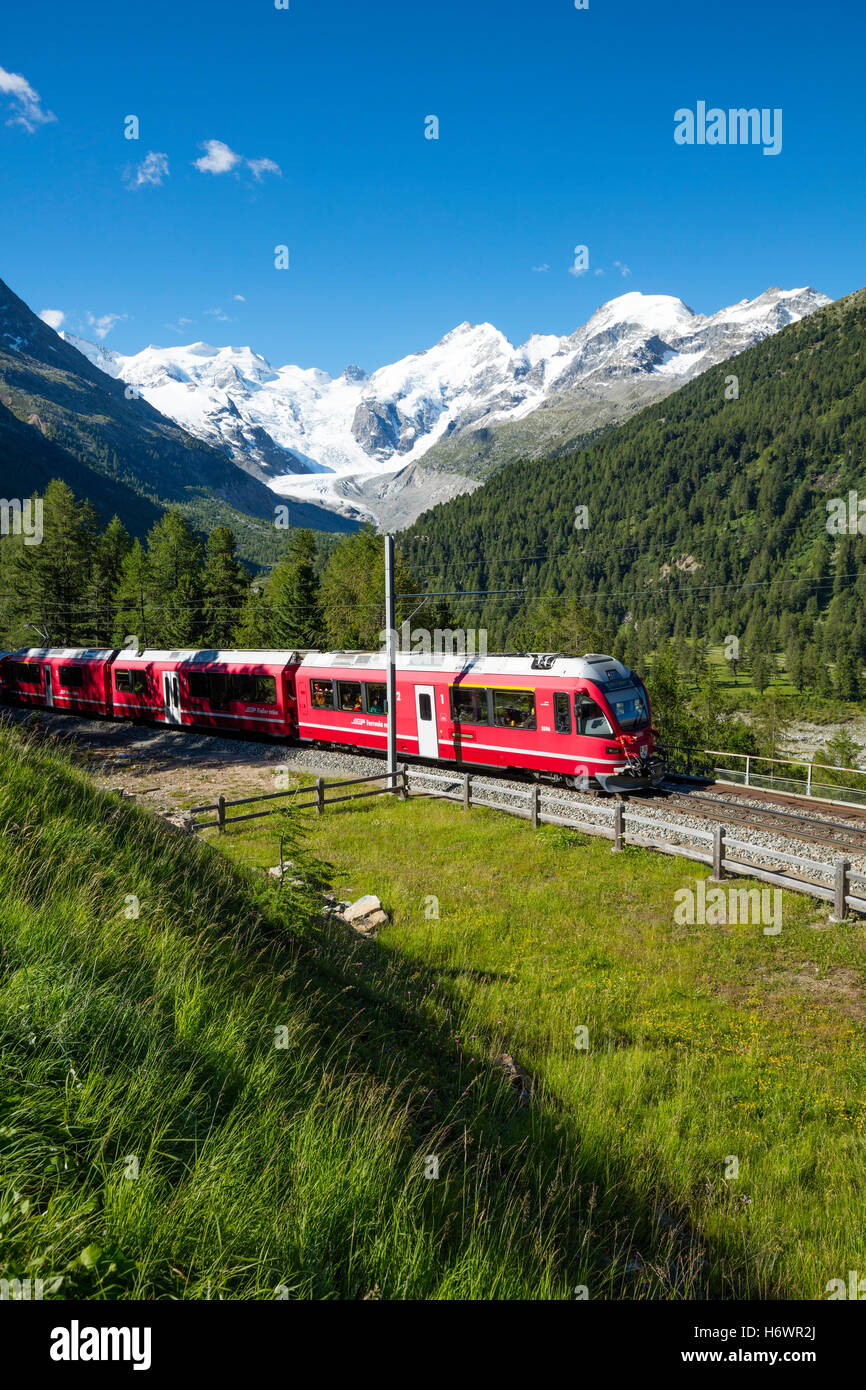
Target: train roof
(214, 656)
(592, 667)
(63, 653)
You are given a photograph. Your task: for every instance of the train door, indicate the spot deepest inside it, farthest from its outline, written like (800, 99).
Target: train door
(171, 697)
(49, 688)
(425, 715)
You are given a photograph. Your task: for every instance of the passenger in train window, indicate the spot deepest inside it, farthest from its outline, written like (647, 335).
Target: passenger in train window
(514, 709)
(350, 696)
(323, 694)
(469, 706)
(377, 702)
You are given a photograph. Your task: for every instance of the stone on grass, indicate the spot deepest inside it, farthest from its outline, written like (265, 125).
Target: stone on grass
(362, 907)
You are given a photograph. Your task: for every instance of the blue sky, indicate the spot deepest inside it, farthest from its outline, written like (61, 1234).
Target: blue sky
(555, 130)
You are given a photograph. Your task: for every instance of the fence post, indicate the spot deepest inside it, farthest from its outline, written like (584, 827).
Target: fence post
(809, 781)
(719, 837)
(748, 769)
(221, 813)
(404, 783)
(534, 807)
(840, 890)
(320, 795)
(618, 810)
(467, 794)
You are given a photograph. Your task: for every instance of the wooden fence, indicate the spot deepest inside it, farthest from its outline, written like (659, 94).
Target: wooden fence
(318, 799)
(617, 821)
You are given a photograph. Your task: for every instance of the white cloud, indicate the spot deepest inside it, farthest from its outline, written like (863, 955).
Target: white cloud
(54, 318)
(599, 271)
(220, 159)
(219, 315)
(258, 167)
(623, 269)
(540, 269)
(103, 325)
(26, 103)
(181, 325)
(577, 271)
(151, 171)
(241, 297)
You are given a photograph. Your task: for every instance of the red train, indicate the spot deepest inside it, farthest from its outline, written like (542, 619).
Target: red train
(580, 719)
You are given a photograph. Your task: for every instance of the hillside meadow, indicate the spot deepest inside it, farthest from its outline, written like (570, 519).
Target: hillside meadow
(209, 1089)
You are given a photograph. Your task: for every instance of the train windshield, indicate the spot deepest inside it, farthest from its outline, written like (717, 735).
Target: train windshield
(629, 707)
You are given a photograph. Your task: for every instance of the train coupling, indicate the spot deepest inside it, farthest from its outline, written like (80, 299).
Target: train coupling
(639, 774)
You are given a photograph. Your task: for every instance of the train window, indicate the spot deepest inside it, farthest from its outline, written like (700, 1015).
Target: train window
(219, 691)
(590, 719)
(629, 708)
(514, 709)
(266, 690)
(377, 697)
(469, 706)
(350, 695)
(242, 688)
(25, 673)
(130, 682)
(322, 694)
(70, 677)
(562, 712)
(425, 709)
(196, 685)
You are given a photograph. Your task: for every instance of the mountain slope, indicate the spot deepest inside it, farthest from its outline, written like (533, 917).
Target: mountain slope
(433, 424)
(692, 499)
(79, 425)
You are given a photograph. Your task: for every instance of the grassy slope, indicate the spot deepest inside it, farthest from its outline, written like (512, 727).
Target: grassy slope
(705, 1041)
(302, 1167)
(153, 1038)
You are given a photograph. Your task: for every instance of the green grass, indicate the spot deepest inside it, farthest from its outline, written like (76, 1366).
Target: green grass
(155, 1142)
(704, 1042)
(146, 1045)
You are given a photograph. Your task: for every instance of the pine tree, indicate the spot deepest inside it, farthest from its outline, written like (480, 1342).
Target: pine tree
(353, 593)
(132, 599)
(847, 673)
(112, 548)
(254, 627)
(224, 589)
(293, 595)
(761, 671)
(174, 554)
(550, 624)
(54, 576)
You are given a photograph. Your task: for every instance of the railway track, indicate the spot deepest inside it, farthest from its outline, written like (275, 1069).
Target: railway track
(730, 811)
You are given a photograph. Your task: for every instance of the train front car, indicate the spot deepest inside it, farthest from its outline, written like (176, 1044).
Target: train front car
(612, 711)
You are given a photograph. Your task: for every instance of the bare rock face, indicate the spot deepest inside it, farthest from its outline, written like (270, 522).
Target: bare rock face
(381, 429)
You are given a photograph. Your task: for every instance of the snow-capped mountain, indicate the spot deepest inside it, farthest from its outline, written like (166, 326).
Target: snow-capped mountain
(356, 442)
